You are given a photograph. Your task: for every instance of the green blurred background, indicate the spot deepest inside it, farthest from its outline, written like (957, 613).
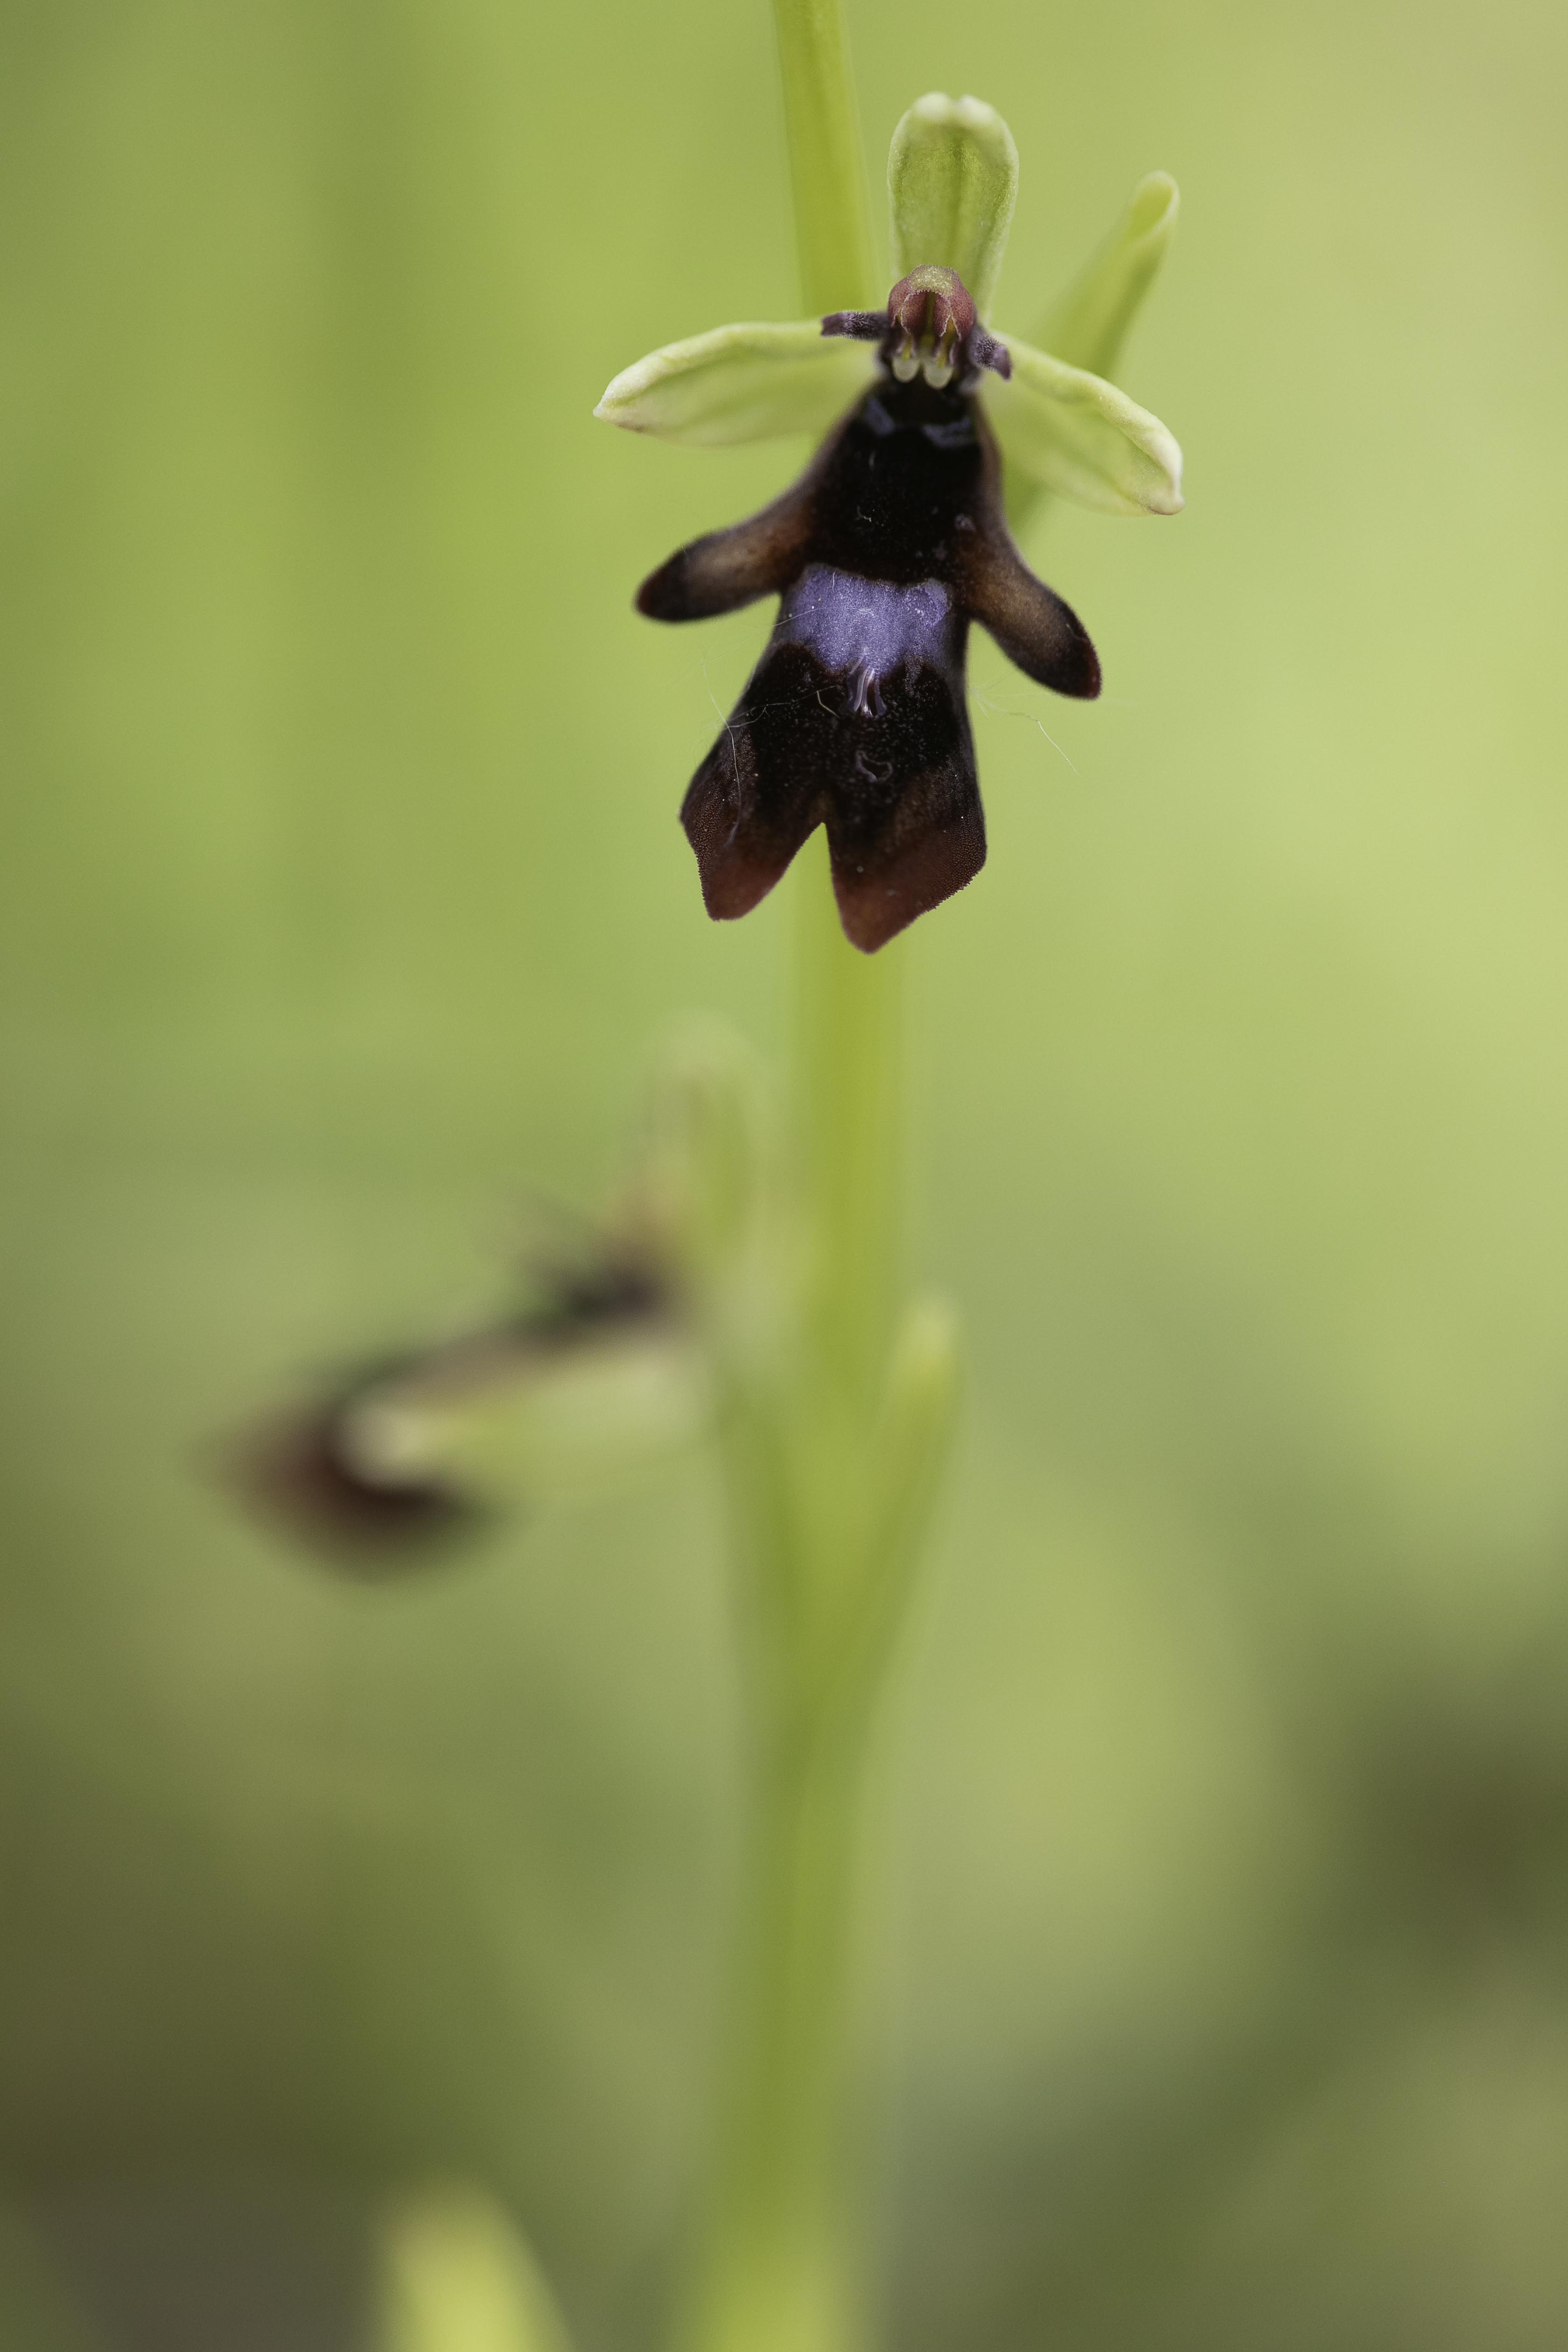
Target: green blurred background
(1222, 2003)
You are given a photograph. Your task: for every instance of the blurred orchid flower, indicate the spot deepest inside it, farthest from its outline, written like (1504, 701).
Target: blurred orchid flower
(593, 1371)
(895, 540)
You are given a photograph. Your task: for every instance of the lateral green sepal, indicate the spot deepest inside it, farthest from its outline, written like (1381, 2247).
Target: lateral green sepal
(1075, 433)
(755, 380)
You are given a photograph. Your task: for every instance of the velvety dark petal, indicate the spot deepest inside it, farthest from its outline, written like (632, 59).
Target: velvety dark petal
(865, 326)
(984, 351)
(1029, 620)
(728, 569)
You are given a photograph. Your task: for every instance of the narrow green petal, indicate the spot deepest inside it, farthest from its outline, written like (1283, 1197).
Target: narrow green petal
(952, 181)
(1074, 432)
(747, 383)
(1087, 326)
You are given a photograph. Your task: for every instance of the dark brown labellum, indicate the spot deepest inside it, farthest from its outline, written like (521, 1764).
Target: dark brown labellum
(890, 544)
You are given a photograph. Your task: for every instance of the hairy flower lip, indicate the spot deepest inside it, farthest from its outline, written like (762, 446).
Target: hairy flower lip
(886, 549)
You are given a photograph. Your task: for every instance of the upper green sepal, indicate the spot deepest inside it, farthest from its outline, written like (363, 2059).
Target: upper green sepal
(1087, 326)
(1074, 432)
(952, 181)
(752, 382)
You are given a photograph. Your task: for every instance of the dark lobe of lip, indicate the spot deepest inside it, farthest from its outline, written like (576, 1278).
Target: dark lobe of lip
(882, 554)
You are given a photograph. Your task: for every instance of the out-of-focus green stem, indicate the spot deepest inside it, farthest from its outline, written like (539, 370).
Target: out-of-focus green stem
(849, 1092)
(826, 161)
(779, 2268)
(820, 1493)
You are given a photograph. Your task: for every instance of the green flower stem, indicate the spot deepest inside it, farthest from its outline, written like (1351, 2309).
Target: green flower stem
(826, 161)
(830, 1460)
(831, 1531)
(849, 1096)
(815, 1495)
(779, 2269)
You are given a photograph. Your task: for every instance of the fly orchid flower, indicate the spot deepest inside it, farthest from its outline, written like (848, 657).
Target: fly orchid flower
(895, 539)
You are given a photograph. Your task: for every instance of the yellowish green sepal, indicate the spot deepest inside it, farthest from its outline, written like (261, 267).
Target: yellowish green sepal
(1088, 325)
(753, 382)
(456, 2277)
(1073, 433)
(952, 181)
(539, 1431)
